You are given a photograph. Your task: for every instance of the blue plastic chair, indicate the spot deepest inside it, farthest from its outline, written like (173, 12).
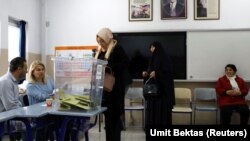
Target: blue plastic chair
(205, 100)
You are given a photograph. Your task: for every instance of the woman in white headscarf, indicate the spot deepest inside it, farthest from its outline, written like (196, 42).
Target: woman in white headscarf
(114, 101)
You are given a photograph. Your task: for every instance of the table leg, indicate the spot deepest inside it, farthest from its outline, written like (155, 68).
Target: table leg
(60, 131)
(1, 130)
(62, 126)
(29, 135)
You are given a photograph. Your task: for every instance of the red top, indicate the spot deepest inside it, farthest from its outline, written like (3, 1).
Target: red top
(223, 84)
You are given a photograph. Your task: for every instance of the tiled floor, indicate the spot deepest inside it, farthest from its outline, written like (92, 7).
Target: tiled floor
(132, 133)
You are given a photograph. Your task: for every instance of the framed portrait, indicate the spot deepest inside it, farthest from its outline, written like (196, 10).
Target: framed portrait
(173, 9)
(206, 9)
(140, 10)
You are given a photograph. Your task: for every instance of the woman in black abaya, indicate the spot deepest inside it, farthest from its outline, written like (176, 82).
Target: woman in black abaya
(159, 109)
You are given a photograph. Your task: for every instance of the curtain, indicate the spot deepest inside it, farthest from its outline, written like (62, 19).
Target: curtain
(22, 45)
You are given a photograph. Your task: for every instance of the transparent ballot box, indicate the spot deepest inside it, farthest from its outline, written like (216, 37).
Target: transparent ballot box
(79, 82)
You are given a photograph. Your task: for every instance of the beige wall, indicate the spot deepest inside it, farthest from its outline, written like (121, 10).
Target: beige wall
(31, 57)
(4, 60)
(50, 65)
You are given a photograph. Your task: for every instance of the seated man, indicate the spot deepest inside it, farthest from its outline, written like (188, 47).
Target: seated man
(231, 90)
(9, 91)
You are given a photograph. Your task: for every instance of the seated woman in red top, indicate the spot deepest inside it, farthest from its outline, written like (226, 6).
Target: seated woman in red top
(231, 90)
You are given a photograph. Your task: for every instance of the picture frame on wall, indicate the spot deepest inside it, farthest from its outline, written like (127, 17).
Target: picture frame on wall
(206, 9)
(140, 10)
(173, 9)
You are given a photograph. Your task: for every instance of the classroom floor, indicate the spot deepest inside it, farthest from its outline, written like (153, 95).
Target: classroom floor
(132, 133)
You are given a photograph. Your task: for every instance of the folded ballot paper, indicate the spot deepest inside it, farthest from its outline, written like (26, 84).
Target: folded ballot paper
(71, 102)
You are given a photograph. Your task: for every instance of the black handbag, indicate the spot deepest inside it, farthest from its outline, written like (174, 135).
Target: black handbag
(150, 89)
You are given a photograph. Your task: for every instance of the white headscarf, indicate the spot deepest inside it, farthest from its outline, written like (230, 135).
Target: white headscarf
(107, 35)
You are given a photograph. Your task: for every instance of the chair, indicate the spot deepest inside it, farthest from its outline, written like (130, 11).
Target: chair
(24, 99)
(183, 98)
(248, 99)
(91, 125)
(136, 102)
(205, 100)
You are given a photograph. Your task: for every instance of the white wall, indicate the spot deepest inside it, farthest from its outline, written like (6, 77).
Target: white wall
(208, 52)
(75, 22)
(27, 10)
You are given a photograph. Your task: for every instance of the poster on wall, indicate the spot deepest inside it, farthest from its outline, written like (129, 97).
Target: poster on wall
(173, 9)
(140, 10)
(206, 9)
(75, 51)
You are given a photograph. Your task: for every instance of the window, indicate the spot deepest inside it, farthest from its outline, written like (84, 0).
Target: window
(13, 39)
